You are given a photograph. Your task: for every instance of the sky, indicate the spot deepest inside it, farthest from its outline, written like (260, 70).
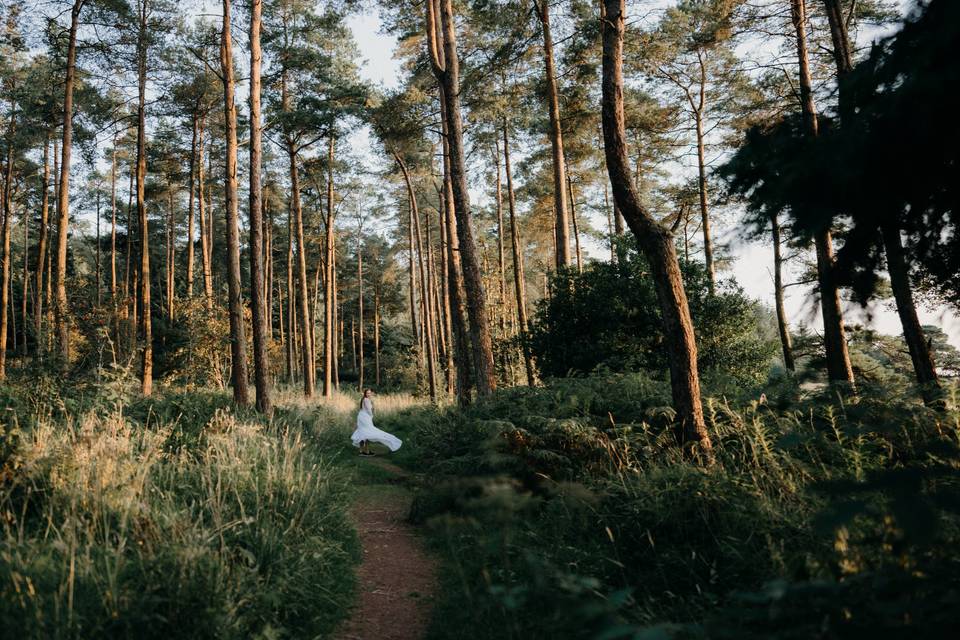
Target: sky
(752, 262)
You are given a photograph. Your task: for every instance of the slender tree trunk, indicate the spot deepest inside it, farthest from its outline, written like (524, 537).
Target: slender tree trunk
(704, 209)
(171, 258)
(146, 330)
(238, 338)
(502, 299)
(446, 267)
(360, 310)
(258, 312)
(457, 295)
(834, 337)
(424, 285)
(291, 304)
(441, 28)
(25, 288)
(655, 241)
(518, 269)
(206, 250)
(5, 233)
(376, 335)
(113, 225)
(562, 221)
(63, 195)
(920, 355)
(42, 243)
(842, 51)
(782, 325)
(412, 286)
(576, 225)
(329, 287)
(190, 208)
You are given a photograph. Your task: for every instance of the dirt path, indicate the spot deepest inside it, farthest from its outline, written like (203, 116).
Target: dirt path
(396, 578)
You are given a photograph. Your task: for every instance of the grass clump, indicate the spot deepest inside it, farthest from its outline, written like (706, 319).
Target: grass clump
(172, 517)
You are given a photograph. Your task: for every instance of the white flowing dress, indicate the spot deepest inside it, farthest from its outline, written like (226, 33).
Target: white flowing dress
(366, 431)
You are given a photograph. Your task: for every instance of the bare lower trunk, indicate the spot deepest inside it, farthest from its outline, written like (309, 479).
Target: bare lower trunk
(257, 308)
(655, 241)
(576, 225)
(782, 326)
(146, 329)
(190, 208)
(5, 240)
(704, 209)
(917, 344)
(329, 294)
(205, 248)
(238, 338)
(42, 249)
(518, 270)
(63, 194)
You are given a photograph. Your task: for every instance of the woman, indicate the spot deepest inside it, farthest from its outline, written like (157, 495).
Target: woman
(366, 433)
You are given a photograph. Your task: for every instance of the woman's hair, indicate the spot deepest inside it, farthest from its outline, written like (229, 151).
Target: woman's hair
(364, 395)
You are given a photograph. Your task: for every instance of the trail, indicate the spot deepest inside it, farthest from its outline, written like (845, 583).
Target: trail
(396, 578)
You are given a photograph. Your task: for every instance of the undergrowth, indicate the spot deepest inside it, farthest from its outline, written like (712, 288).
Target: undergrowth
(175, 516)
(567, 512)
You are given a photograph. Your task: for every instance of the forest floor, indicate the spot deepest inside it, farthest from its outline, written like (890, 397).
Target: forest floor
(397, 578)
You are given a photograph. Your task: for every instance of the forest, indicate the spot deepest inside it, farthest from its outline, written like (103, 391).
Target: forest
(661, 297)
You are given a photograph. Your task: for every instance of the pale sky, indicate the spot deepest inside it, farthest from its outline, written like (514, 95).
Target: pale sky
(752, 261)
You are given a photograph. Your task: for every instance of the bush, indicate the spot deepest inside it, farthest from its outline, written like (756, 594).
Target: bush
(608, 317)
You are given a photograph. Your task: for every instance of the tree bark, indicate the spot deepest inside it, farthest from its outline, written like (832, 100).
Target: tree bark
(63, 196)
(458, 312)
(441, 28)
(42, 243)
(328, 296)
(576, 225)
(655, 241)
(424, 285)
(190, 207)
(920, 355)
(360, 309)
(206, 248)
(834, 336)
(519, 284)
(5, 234)
(238, 338)
(258, 312)
(704, 208)
(782, 325)
(560, 205)
(146, 330)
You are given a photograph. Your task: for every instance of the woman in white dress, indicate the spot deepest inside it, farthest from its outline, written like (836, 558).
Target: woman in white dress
(366, 432)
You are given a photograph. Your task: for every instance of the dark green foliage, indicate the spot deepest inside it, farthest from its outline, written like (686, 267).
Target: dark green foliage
(564, 512)
(608, 318)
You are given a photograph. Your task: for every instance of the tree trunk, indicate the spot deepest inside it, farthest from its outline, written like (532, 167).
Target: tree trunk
(702, 188)
(5, 235)
(447, 72)
(782, 325)
(258, 312)
(190, 209)
(920, 355)
(146, 329)
(360, 310)
(63, 196)
(424, 285)
(655, 241)
(42, 243)
(502, 290)
(238, 338)
(171, 257)
(376, 335)
(291, 303)
(446, 273)
(205, 248)
(562, 219)
(329, 293)
(113, 226)
(576, 225)
(834, 337)
(519, 285)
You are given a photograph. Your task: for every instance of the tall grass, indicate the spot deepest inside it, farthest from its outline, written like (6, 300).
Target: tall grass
(169, 518)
